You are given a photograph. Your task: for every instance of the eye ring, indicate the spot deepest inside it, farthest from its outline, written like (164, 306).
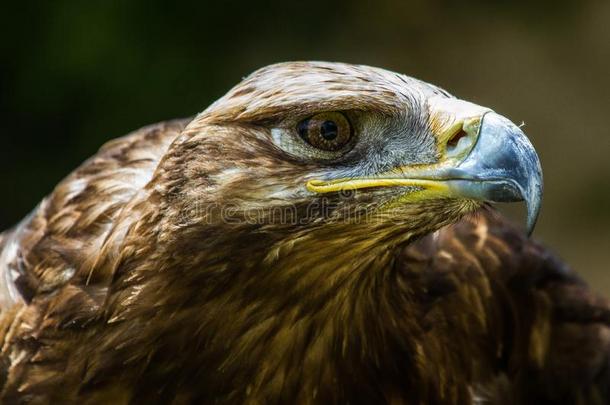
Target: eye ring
(328, 131)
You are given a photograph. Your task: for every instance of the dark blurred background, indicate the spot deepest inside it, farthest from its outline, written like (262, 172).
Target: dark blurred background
(75, 74)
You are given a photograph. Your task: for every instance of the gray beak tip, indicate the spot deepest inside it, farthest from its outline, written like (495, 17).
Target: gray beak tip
(533, 201)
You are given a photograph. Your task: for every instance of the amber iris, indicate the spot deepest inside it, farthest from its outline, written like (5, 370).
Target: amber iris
(329, 131)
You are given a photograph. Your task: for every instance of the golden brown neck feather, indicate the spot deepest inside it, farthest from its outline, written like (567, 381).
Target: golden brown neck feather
(297, 309)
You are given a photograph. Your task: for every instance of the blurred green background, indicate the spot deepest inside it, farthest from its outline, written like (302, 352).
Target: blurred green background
(75, 74)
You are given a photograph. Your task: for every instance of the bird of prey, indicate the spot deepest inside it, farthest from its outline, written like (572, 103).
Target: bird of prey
(323, 233)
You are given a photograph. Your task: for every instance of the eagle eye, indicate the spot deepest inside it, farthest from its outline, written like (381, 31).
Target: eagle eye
(328, 131)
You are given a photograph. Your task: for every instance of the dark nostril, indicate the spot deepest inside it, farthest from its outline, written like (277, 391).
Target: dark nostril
(453, 141)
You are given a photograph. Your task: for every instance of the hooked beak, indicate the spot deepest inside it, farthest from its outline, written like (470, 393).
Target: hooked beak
(491, 160)
(502, 167)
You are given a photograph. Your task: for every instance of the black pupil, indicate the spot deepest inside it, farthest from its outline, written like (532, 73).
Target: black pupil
(328, 130)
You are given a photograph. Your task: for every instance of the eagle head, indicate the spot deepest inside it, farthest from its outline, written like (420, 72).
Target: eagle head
(316, 157)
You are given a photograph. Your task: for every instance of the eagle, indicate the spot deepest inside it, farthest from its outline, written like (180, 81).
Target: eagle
(323, 233)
